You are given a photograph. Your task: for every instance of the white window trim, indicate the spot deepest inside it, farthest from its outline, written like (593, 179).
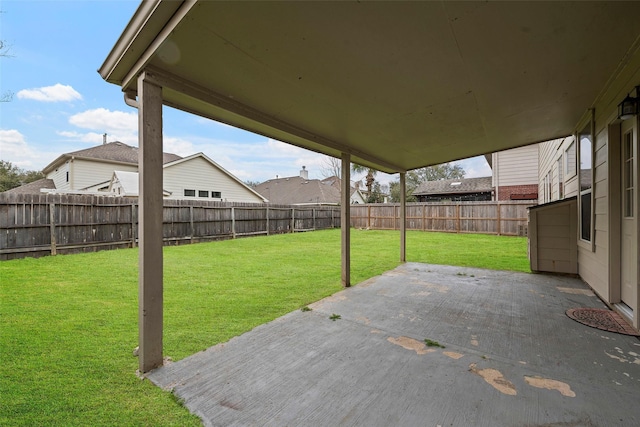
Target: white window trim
(588, 120)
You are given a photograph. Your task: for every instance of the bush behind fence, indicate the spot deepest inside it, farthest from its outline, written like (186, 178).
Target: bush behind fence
(37, 225)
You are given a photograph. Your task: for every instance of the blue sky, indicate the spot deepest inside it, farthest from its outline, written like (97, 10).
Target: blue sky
(61, 104)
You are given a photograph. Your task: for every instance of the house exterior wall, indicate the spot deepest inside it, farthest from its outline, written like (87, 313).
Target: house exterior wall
(59, 176)
(200, 175)
(593, 265)
(87, 173)
(599, 259)
(516, 192)
(557, 174)
(516, 170)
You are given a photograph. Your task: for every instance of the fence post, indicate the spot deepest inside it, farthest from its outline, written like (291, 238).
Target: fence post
(233, 222)
(191, 229)
(267, 220)
(499, 227)
(313, 212)
(424, 219)
(457, 217)
(133, 225)
(293, 219)
(52, 227)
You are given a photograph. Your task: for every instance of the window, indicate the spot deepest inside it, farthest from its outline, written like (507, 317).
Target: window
(560, 180)
(67, 176)
(627, 175)
(203, 193)
(546, 190)
(585, 139)
(216, 195)
(570, 160)
(190, 193)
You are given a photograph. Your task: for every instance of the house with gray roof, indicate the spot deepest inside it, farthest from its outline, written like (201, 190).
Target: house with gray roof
(457, 190)
(112, 168)
(300, 190)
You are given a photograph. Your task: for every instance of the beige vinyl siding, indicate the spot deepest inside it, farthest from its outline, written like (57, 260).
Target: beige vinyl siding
(199, 174)
(550, 153)
(518, 166)
(593, 266)
(59, 176)
(553, 232)
(87, 173)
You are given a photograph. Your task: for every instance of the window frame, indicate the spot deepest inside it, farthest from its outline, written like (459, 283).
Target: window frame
(216, 194)
(560, 174)
(188, 190)
(570, 160)
(203, 193)
(587, 127)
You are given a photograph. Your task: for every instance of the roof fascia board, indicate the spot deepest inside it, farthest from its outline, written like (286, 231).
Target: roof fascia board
(195, 91)
(150, 17)
(130, 79)
(57, 162)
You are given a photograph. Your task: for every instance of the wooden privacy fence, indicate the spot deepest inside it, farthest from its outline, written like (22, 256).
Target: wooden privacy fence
(37, 225)
(501, 218)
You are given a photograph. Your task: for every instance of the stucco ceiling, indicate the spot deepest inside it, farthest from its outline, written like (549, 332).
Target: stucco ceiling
(397, 85)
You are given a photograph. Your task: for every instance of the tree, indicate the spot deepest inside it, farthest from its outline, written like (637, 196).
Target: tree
(252, 184)
(431, 173)
(331, 166)
(371, 174)
(376, 195)
(12, 176)
(4, 53)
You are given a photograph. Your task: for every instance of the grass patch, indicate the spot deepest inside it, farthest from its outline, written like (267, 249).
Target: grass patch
(432, 343)
(68, 324)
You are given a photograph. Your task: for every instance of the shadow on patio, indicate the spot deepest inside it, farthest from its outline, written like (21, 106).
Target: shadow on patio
(509, 357)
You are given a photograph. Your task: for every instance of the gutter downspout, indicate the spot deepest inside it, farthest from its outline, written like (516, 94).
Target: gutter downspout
(130, 98)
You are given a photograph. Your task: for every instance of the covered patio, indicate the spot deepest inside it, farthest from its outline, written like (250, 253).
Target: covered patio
(393, 86)
(505, 354)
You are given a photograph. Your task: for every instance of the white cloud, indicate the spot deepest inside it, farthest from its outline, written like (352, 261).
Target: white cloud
(475, 167)
(178, 146)
(14, 149)
(104, 120)
(55, 93)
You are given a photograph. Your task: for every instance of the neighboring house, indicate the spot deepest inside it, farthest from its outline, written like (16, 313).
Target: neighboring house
(514, 176)
(455, 190)
(113, 168)
(125, 184)
(300, 190)
(514, 173)
(34, 187)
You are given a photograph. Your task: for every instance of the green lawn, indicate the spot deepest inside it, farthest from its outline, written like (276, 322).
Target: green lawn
(68, 324)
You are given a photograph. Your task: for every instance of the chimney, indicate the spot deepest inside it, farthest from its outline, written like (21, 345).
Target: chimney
(104, 138)
(304, 173)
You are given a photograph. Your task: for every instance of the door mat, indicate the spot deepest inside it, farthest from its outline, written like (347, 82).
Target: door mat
(606, 320)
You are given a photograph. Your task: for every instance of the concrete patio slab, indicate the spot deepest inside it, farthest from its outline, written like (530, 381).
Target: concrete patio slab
(509, 357)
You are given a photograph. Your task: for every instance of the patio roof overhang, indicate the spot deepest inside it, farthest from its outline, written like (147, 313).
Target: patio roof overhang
(396, 85)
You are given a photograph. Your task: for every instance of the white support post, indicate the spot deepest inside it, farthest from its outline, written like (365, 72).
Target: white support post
(345, 219)
(150, 287)
(403, 217)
